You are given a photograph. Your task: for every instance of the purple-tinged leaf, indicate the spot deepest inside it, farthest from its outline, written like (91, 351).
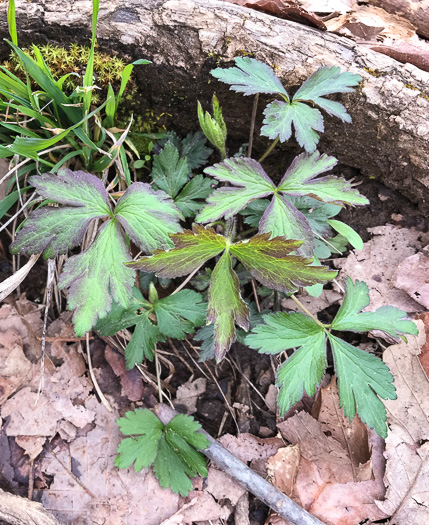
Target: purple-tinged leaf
(98, 276)
(148, 216)
(281, 218)
(269, 262)
(53, 231)
(192, 249)
(74, 188)
(252, 182)
(299, 180)
(226, 306)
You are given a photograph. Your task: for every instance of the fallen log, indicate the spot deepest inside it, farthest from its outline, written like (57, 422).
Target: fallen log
(387, 140)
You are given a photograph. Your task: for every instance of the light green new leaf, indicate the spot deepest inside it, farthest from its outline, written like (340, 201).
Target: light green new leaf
(11, 22)
(214, 128)
(362, 379)
(279, 117)
(250, 77)
(148, 216)
(346, 231)
(56, 230)
(387, 318)
(307, 120)
(269, 262)
(252, 182)
(226, 307)
(188, 428)
(98, 276)
(325, 81)
(304, 370)
(179, 314)
(142, 449)
(193, 195)
(170, 172)
(192, 249)
(299, 180)
(194, 460)
(282, 218)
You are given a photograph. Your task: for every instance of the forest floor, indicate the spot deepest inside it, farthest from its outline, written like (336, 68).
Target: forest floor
(58, 440)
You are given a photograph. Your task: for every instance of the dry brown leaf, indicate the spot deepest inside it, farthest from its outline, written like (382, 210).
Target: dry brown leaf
(131, 380)
(416, 12)
(353, 436)
(32, 445)
(188, 394)
(377, 261)
(407, 467)
(326, 7)
(416, 53)
(283, 467)
(331, 482)
(412, 276)
(287, 9)
(120, 495)
(424, 351)
(15, 368)
(251, 449)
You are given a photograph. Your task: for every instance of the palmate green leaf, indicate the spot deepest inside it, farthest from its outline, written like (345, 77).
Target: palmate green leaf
(281, 217)
(270, 262)
(226, 307)
(299, 180)
(173, 316)
(57, 230)
(143, 449)
(148, 216)
(143, 341)
(252, 182)
(362, 380)
(250, 77)
(179, 314)
(170, 172)
(387, 318)
(169, 448)
(192, 249)
(98, 276)
(308, 121)
(304, 370)
(192, 197)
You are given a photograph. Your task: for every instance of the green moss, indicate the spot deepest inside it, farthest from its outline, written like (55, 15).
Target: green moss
(108, 69)
(375, 72)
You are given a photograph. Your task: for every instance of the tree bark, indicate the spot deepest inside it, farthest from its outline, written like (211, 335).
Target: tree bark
(387, 140)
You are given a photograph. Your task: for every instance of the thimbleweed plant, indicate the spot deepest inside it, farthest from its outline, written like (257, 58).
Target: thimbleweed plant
(186, 224)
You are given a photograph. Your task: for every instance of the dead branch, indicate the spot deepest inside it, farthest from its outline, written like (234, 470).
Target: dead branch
(21, 511)
(258, 486)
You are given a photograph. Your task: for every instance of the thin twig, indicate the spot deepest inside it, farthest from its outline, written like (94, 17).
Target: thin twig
(251, 481)
(186, 281)
(93, 378)
(255, 295)
(304, 309)
(51, 273)
(70, 473)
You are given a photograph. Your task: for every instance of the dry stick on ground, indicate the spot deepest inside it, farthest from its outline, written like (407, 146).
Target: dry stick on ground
(258, 486)
(21, 511)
